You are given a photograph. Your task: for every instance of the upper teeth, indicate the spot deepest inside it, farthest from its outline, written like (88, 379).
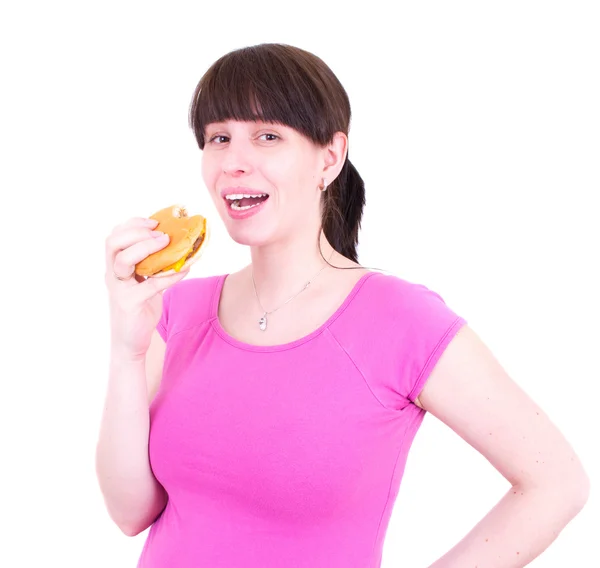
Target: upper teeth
(237, 196)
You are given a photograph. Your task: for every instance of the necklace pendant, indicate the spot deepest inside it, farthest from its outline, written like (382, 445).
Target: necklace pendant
(262, 322)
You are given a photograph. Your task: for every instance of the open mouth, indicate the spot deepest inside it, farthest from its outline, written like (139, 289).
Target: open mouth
(242, 201)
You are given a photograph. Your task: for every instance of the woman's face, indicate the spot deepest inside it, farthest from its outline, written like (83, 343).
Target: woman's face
(242, 157)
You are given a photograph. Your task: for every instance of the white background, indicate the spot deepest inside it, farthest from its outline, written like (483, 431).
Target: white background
(476, 129)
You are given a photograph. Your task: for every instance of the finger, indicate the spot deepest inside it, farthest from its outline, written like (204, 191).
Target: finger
(142, 222)
(124, 238)
(126, 259)
(133, 223)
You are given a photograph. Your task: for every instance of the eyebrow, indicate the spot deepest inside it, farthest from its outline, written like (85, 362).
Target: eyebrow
(224, 122)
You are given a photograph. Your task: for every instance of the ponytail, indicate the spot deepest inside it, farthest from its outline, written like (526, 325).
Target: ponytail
(344, 201)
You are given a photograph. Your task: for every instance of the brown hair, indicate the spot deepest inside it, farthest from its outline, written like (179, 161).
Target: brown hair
(284, 84)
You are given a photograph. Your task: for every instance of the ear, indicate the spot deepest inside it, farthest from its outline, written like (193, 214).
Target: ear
(335, 157)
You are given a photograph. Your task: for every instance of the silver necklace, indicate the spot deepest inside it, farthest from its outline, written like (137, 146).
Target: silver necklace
(262, 322)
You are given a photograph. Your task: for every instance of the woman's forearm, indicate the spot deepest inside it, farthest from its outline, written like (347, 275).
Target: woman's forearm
(519, 528)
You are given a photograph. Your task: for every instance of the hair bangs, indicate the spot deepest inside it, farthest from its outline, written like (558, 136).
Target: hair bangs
(247, 86)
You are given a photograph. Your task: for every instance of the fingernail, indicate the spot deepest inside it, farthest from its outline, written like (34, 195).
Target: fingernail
(151, 222)
(158, 234)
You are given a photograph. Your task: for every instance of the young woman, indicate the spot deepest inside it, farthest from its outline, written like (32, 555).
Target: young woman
(253, 419)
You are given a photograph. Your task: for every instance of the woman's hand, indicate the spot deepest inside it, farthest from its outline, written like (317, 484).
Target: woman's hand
(135, 302)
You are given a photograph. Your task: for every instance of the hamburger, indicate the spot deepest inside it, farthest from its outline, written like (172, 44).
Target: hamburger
(188, 237)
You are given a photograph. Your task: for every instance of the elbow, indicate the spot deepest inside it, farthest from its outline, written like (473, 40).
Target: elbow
(576, 487)
(129, 531)
(133, 529)
(125, 528)
(576, 496)
(580, 490)
(567, 489)
(570, 492)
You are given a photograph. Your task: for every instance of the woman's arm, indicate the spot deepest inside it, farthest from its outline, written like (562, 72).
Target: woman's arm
(470, 392)
(133, 496)
(518, 529)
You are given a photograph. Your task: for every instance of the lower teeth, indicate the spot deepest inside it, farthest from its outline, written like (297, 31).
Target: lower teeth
(236, 207)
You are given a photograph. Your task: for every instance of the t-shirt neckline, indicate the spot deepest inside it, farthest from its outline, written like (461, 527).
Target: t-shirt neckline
(216, 324)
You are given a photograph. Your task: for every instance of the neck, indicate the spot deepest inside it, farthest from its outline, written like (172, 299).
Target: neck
(282, 269)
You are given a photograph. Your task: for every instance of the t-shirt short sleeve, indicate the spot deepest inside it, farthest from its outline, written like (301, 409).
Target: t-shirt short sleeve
(429, 325)
(186, 304)
(395, 334)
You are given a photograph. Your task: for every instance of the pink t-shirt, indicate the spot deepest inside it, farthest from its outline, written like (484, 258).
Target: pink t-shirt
(288, 455)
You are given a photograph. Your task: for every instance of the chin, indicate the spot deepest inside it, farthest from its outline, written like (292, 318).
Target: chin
(249, 237)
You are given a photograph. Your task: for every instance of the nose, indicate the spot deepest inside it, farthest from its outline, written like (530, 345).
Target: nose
(237, 158)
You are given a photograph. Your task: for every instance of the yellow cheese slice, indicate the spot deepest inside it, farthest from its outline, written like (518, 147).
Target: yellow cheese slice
(177, 266)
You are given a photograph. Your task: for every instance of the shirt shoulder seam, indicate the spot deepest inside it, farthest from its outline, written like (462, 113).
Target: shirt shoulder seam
(335, 339)
(210, 310)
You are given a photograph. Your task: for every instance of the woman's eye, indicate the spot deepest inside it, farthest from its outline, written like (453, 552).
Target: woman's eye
(217, 136)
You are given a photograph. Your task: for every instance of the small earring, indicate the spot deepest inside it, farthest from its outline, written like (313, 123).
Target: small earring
(324, 185)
